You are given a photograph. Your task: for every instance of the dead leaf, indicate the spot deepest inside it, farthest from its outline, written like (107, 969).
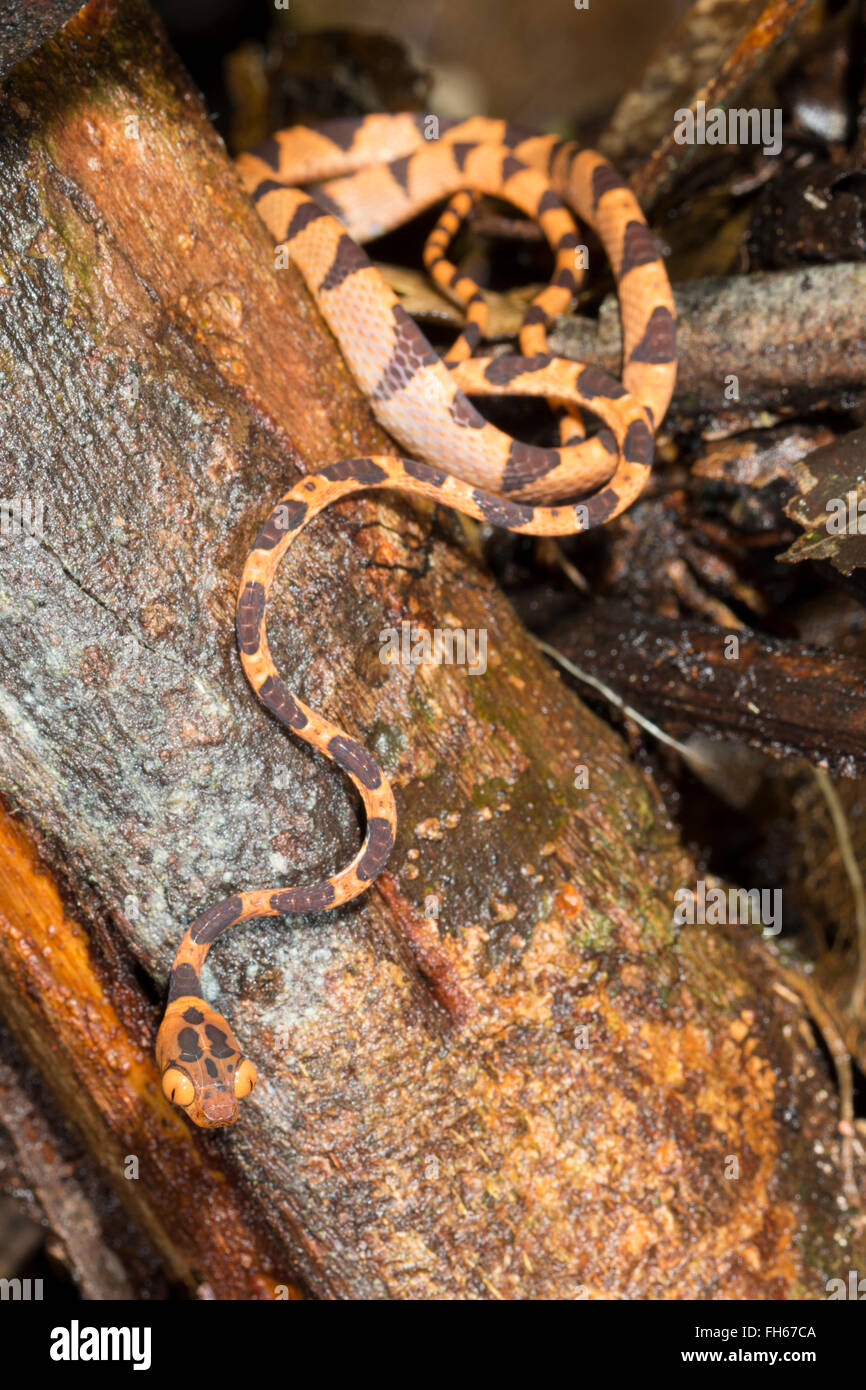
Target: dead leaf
(831, 504)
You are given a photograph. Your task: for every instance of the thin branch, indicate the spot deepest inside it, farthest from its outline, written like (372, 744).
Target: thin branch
(823, 1020)
(611, 695)
(852, 868)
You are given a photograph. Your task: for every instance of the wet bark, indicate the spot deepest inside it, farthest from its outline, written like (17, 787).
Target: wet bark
(24, 26)
(746, 52)
(504, 1072)
(786, 341)
(785, 698)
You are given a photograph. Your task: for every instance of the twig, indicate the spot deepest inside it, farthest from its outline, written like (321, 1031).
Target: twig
(614, 699)
(842, 1062)
(782, 697)
(852, 868)
(669, 159)
(694, 48)
(551, 552)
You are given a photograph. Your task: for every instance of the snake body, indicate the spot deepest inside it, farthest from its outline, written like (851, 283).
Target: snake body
(372, 174)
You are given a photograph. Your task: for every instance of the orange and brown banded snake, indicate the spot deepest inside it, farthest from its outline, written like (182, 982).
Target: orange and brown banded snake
(371, 174)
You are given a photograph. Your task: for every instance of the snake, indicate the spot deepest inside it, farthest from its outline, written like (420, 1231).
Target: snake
(321, 193)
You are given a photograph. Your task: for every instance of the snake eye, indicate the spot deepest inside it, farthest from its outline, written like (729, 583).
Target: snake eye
(177, 1086)
(245, 1078)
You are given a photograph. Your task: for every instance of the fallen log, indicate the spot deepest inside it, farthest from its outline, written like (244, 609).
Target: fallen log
(746, 56)
(24, 27)
(781, 342)
(87, 1028)
(82, 1220)
(784, 698)
(501, 1074)
(694, 49)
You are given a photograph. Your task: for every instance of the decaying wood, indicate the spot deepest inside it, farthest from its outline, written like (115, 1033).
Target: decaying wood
(80, 1221)
(89, 1032)
(24, 27)
(831, 504)
(502, 1073)
(746, 57)
(690, 53)
(784, 698)
(782, 341)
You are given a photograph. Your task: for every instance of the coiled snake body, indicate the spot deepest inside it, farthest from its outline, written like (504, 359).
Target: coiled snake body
(378, 171)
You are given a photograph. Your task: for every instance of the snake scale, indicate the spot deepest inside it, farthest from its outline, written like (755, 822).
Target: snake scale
(370, 175)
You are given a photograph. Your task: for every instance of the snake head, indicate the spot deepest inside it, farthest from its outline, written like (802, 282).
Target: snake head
(203, 1070)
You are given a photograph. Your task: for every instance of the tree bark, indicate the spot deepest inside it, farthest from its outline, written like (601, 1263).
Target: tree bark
(784, 698)
(24, 26)
(788, 341)
(501, 1074)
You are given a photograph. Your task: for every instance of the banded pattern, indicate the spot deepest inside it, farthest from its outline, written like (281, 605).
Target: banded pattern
(464, 461)
(539, 175)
